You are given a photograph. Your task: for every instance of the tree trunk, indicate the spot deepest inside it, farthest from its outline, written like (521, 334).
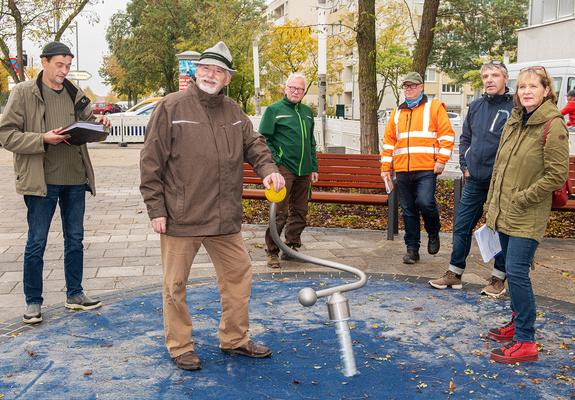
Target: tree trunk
(425, 39)
(367, 81)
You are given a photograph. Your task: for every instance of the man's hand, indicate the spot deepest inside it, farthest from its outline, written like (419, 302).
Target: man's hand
(466, 173)
(277, 179)
(55, 136)
(314, 177)
(101, 119)
(386, 176)
(159, 224)
(438, 168)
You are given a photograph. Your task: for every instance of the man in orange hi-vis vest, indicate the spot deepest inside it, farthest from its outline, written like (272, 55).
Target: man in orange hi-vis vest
(417, 144)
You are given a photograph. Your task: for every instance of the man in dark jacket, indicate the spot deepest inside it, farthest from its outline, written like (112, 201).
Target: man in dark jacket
(49, 171)
(477, 149)
(191, 181)
(288, 128)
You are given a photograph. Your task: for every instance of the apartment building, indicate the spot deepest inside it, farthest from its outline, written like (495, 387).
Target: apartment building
(551, 26)
(343, 88)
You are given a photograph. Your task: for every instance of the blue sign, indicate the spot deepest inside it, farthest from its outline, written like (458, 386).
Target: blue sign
(187, 67)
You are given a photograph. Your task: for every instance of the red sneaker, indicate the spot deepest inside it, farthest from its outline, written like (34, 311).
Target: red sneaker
(515, 352)
(505, 333)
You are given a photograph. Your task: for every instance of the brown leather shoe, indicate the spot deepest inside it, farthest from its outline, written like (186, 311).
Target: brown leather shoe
(188, 361)
(250, 349)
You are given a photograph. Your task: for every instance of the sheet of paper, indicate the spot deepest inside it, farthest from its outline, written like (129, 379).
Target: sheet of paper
(388, 184)
(488, 242)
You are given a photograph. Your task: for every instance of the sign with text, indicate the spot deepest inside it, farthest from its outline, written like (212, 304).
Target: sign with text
(79, 75)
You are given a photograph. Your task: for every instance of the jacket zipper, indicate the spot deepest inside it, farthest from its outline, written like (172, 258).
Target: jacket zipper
(303, 134)
(408, 137)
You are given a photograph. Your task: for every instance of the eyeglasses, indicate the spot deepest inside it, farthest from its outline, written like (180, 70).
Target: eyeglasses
(296, 89)
(410, 85)
(495, 63)
(534, 68)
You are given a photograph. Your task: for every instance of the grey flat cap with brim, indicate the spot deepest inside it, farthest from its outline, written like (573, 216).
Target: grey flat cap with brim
(56, 49)
(218, 55)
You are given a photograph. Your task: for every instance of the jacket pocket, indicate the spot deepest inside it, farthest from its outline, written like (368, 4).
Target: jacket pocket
(233, 139)
(175, 200)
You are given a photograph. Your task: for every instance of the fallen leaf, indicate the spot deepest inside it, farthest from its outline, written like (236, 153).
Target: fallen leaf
(317, 367)
(106, 345)
(451, 387)
(477, 353)
(88, 372)
(468, 371)
(564, 346)
(536, 381)
(422, 385)
(32, 353)
(375, 326)
(296, 382)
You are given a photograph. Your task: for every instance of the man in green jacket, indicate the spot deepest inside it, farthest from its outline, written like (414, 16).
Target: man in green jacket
(49, 171)
(288, 128)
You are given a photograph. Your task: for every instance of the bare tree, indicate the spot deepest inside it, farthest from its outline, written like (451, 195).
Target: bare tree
(367, 82)
(425, 39)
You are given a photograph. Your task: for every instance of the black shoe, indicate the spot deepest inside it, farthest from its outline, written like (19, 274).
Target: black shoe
(411, 256)
(433, 244)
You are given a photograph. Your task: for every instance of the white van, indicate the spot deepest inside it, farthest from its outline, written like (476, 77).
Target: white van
(562, 71)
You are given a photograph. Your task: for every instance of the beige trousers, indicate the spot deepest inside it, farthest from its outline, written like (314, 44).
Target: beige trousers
(234, 277)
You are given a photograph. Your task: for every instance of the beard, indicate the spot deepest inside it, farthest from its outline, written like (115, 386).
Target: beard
(208, 88)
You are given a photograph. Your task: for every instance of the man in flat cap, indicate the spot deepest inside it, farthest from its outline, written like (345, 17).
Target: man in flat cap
(49, 171)
(191, 181)
(417, 144)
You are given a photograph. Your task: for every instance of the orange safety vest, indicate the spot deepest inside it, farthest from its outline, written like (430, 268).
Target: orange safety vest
(415, 139)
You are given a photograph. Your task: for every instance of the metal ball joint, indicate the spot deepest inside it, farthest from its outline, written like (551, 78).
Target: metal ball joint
(307, 297)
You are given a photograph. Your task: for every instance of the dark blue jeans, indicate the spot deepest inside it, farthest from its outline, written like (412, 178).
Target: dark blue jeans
(72, 200)
(469, 213)
(417, 197)
(518, 254)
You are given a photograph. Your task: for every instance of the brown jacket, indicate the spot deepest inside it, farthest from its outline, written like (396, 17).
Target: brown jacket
(22, 127)
(191, 163)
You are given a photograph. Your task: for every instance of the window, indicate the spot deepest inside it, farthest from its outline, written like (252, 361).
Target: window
(566, 8)
(570, 83)
(549, 10)
(450, 88)
(339, 99)
(331, 100)
(430, 74)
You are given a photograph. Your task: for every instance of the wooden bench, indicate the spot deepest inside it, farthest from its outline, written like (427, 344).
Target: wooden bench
(570, 206)
(356, 177)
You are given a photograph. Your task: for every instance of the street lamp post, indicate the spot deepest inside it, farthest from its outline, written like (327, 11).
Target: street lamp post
(322, 68)
(256, 57)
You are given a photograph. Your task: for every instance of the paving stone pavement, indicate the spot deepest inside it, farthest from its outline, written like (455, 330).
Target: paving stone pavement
(122, 252)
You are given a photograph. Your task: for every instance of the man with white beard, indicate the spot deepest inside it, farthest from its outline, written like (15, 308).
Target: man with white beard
(191, 181)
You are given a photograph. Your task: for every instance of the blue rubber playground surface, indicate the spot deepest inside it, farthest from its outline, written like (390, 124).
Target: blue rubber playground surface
(410, 342)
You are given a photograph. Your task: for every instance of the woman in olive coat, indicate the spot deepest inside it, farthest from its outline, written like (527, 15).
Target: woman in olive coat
(528, 168)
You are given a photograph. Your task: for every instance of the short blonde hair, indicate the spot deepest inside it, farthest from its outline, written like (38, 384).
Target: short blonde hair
(544, 78)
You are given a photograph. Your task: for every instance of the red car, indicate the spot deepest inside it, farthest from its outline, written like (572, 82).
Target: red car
(106, 108)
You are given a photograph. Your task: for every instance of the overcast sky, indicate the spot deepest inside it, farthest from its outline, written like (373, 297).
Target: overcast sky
(91, 43)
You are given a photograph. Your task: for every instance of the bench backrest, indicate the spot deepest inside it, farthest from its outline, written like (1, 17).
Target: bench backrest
(360, 171)
(571, 178)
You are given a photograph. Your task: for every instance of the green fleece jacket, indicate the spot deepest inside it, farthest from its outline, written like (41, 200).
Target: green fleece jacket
(527, 170)
(288, 129)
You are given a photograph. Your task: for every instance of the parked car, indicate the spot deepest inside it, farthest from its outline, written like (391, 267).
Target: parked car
(106, 108)
(454, 118)
(146, 109)
(143, 103)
